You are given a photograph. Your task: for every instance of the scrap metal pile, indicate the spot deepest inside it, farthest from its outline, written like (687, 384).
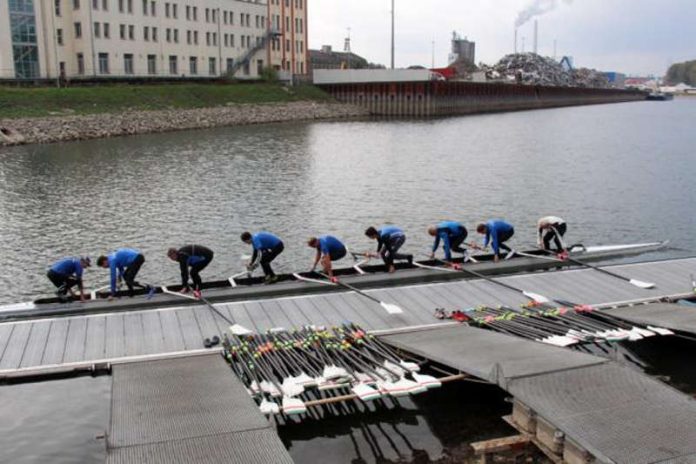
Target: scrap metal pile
(288, 371)
(533, 69)
(560, 326)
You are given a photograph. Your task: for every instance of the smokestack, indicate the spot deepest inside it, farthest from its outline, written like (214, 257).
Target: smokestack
(515, 40)
(536, 37)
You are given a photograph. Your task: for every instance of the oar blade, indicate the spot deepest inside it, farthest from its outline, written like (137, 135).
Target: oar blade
(240, 331)
(641, 284)
(391, 308)
(269, 407)
(536, 297)
(293, 406)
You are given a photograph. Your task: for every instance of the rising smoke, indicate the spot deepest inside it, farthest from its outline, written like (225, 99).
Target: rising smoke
(538, 8)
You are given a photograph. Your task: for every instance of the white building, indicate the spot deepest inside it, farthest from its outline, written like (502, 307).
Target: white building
(145, 38)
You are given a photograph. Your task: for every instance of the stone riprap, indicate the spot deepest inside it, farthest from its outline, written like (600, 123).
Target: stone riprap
(82, 127)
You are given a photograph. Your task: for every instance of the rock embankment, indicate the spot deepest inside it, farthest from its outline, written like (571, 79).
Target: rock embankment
(66, 128)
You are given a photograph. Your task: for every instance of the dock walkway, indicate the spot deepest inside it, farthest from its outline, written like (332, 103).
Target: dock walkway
(668, 315)
(187, 410)
(617, 414)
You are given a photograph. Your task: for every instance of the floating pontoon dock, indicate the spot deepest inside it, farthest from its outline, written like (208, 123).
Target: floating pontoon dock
(596, 405)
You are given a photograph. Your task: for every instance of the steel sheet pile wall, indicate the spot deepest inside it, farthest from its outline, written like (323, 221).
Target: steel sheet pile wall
(449, 98)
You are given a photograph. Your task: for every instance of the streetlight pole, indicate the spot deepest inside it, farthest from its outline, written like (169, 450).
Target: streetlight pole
(392, 34)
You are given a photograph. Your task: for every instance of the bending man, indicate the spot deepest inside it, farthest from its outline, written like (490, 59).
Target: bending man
(452, 235)
(389, 240)
(195, 257)
(329, 249)
(269, 247)
(67, 273)
(126, 263)
(497, 232)
(551, 228)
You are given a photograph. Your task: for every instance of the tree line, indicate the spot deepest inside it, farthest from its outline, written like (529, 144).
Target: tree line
(682, 72)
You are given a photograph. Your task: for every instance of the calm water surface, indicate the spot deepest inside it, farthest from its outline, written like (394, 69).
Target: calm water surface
(617, 173)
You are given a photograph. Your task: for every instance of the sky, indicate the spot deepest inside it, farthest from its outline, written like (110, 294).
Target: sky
(636, 37)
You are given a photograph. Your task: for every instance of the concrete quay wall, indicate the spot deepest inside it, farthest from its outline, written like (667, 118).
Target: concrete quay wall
(423, 99)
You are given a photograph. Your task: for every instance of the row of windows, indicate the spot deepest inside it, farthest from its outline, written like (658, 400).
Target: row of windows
(171, 10)
(104, 65)
(276, 47)
(299, 24)
(298, 3)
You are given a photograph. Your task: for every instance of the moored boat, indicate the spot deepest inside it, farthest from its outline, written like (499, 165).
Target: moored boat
(362, 275)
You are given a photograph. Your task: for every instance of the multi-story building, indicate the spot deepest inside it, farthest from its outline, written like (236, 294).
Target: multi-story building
(288, 49)
(45, 39)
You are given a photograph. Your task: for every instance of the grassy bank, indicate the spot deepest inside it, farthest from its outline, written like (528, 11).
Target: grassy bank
(47, 101)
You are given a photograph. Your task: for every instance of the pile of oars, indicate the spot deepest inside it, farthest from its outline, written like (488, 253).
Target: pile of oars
(286, 371)
(561, 326)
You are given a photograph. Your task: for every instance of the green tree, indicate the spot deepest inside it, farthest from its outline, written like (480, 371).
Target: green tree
(682, 72)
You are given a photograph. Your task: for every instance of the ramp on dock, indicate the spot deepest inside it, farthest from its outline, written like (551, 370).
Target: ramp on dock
(668, 315)
(37, 345)
(187, 410)
(617, 414)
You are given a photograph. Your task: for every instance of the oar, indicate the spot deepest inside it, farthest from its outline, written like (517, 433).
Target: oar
(389, 307)
(234, 327)
(635, 282)
(531, 295)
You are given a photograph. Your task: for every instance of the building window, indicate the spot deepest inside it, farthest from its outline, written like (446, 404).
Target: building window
(195, 13)
(188, 37)
(214, 14)
(175, 13)
(152, 64)
(231, 40)
(25, 50)
(168, 35)
(121, 6)
(230, 64)
(130, 6)
(193, 65)
(107, 32)
(207, 38)
(166, 10)
(188, 12)
(105, 5)
(224, 17)
(215, 39)
(145, 7)
(76, 4)
(128, 63)
(146, 34)
(154, 34)
(97, 30)
(78, 30)
(226, 40)
(57, 7)
(195, 37)
(59, 36)
(231, 18)
(153, 10)
(80, 64)
(207, 15)
(212, 68)
(103, 63)
(131, 32)
(176, 35)
(173, 65)
(122, 31)
(95, 4)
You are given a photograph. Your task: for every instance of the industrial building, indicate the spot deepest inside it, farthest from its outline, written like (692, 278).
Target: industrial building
(463, 50)
(87, 39)
(327, 58)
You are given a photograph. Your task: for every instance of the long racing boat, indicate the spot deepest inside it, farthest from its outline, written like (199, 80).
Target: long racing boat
(361, 275)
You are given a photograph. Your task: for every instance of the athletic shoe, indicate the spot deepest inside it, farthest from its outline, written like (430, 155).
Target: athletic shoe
(409, 258)
(150, 291)
(270, 279)
(197, 294)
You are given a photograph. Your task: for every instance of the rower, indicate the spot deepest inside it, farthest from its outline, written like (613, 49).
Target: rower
(127, 262)
(329, 249)
(497, 232)
(389, 240)
(452, 235)
(551, 228)
(269, 247)
(67, 273)
(196, 257)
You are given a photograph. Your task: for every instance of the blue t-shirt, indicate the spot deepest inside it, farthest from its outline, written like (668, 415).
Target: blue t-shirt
(329, 244)
(119, 260)
(264, 241)
(494, 227)
(68, 267)
(447, 230)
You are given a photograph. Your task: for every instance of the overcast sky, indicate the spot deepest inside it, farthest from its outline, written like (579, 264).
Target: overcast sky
(630, 36)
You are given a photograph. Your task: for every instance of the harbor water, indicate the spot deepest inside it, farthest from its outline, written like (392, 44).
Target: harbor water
(619, 173)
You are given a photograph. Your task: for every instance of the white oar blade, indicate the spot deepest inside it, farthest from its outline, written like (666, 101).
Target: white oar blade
(410, 366)
(366, 393)
(240, 331)
(427, 381)
(536, 297)
(392, 308)
(641, 284)
(293, 406)
(269, 407)
(660, 330)
(290, 388)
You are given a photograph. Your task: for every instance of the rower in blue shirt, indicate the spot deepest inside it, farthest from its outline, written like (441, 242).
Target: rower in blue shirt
(389, 240)
(329, 249)
(452, 234)
(124, 264)
(268, 246)
(195, 257)
(497, 232)
(67, 273)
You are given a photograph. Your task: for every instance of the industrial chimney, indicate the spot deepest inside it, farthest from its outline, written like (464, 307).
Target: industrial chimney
(536, 37)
